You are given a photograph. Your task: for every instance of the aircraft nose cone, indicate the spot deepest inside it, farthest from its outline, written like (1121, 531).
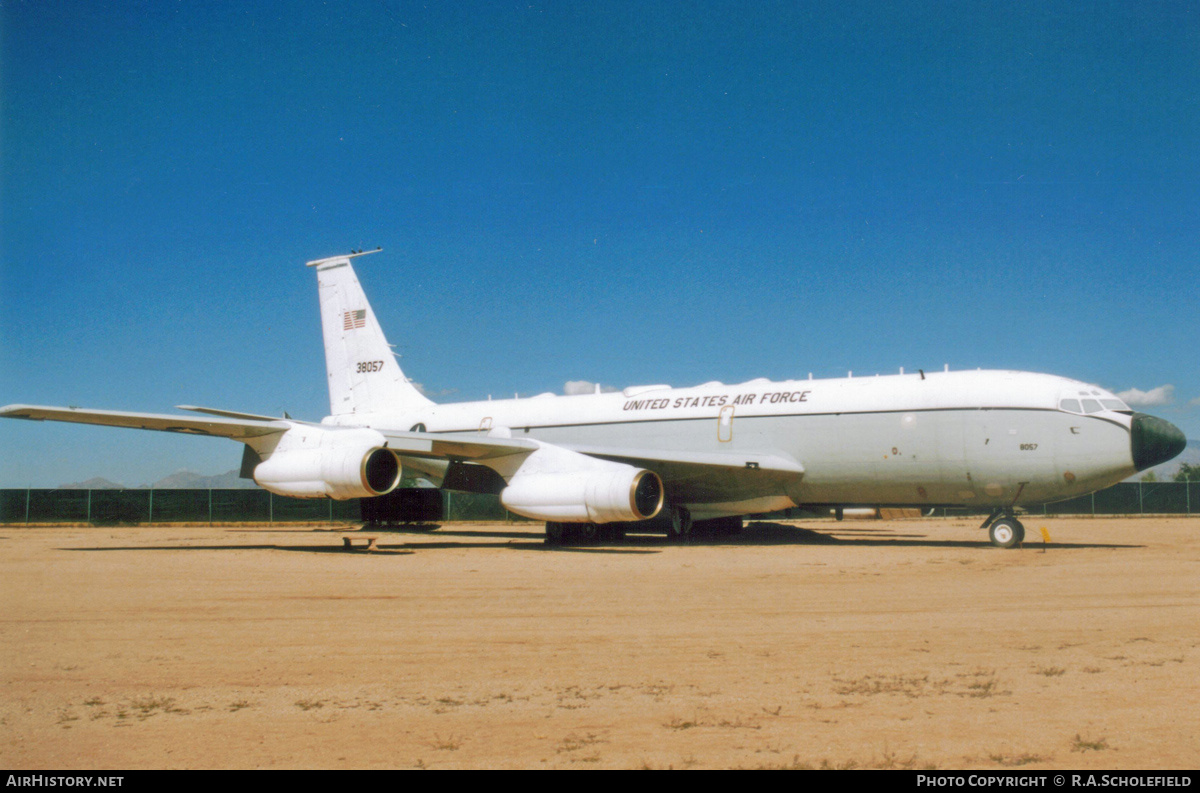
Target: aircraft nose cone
(1154, 441)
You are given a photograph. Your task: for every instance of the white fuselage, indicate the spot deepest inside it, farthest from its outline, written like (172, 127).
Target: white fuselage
(988, 438)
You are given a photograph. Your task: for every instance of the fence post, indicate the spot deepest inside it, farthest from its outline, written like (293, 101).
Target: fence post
(89, 505)
(270, 507)
(210, 506)
(27, 491)
(150, 509)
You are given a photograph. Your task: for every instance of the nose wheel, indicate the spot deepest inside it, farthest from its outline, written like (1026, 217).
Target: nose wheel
(1006, 532)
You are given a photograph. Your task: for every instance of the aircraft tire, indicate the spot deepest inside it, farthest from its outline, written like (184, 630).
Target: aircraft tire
(589, 533)
(1006, 533)
(554, 533)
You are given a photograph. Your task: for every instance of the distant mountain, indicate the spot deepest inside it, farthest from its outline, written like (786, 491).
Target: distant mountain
(180, 480)
(95, 483)
(189, 480)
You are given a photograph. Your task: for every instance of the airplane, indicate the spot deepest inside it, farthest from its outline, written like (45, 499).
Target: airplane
(592, 466)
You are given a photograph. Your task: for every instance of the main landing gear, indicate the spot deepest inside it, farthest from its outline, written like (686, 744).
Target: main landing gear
(582, 533)
(681, 527)
(681, 524)
(1004, 531)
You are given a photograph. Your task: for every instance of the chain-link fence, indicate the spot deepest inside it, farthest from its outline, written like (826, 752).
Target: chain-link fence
(1126, 498)
(113, 507)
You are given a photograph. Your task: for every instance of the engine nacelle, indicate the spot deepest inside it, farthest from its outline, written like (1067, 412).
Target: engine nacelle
(310, 462)
(614, 492)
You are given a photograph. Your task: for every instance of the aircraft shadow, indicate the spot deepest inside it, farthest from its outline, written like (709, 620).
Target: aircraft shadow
(381, 549)
(764, 533)
(755, 534)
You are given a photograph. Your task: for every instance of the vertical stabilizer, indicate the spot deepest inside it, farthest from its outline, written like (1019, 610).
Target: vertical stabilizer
(363, 374)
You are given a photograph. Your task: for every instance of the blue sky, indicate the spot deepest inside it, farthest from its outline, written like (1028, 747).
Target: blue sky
(620, 192)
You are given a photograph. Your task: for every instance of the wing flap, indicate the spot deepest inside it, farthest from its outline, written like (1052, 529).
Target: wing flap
(446, 447)
(711, 477)
(768, 461)
(233, 414)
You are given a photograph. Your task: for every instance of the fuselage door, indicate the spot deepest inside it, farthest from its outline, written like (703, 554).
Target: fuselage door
(725, 424)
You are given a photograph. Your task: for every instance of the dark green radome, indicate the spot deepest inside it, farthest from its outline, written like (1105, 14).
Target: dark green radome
(1154, 441)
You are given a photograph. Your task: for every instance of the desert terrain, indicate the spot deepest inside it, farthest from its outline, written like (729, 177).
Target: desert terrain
(854, 644)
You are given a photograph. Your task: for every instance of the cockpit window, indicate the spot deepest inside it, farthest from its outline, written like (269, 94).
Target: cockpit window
(1085, 404)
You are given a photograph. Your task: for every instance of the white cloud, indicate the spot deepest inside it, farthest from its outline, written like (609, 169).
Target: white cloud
(1163, 395)
(431, 394)
(1195, 402)
(574, 387)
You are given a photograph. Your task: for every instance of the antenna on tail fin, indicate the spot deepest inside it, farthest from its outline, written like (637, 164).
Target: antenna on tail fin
(363, 374)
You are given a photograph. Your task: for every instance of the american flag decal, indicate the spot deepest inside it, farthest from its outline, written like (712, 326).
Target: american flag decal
(354, 319)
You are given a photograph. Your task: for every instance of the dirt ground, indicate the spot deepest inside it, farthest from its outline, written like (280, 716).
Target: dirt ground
(901, 644)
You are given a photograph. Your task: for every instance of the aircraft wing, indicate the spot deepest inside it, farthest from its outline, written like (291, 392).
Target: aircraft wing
(704, 476)
(239, 429)
(698, 476)
(482, 447)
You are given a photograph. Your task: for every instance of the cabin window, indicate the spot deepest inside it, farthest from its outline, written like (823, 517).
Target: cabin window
(1091, 406)
(1070, 405)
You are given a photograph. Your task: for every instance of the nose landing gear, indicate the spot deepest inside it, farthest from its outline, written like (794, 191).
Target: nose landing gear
(1006, 531)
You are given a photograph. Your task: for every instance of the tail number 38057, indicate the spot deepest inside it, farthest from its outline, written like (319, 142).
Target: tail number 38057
(369, 366)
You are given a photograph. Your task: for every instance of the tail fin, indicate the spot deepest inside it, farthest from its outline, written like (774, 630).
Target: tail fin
(363, 374)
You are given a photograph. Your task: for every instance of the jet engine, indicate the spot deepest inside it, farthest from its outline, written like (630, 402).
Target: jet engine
(603, 494)
(311, 462)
